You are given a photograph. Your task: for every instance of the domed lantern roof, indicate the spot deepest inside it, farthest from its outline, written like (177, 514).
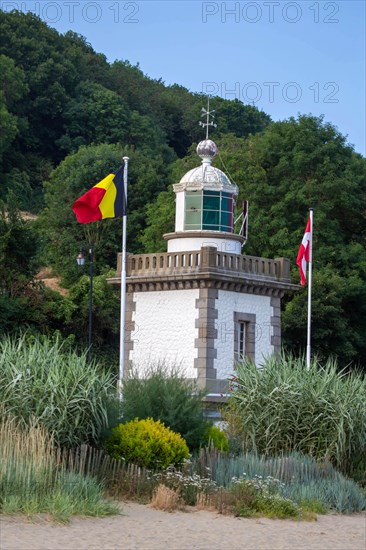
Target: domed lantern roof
(206, 176)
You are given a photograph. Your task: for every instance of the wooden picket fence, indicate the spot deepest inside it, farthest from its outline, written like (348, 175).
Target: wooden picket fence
(119, 478)
(222, 467)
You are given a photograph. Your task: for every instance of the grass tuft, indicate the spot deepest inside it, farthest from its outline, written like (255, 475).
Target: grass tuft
(165, 499)
(34, 480)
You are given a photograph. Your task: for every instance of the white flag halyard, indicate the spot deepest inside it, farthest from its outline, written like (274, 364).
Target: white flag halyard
(123, 284)
(304, 257)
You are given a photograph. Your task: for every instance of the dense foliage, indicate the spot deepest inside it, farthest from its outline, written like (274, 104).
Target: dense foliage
(165, 395)
(26, 301)
(284, 407)
(147, 443)
(218, 439)
(18, 250)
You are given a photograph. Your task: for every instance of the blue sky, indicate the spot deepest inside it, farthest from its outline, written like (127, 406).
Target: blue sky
(286, 57)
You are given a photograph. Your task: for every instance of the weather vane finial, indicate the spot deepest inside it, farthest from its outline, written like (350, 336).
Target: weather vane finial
(206, 113)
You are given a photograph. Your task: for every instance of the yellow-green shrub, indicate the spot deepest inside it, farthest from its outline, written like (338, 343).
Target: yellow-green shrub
(147, 443)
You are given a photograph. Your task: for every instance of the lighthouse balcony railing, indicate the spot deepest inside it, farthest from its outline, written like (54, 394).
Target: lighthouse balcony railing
(206, 259)
(146, 264)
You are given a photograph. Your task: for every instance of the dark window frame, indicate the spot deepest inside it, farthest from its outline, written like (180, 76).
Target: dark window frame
(249, 320)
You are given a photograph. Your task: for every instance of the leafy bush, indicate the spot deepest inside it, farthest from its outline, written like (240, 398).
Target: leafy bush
(261, 497)
(69, 396)
(276, 506)
(284, 407)
(165, 395)
(217, 438)
(33, 479)
(147, 443)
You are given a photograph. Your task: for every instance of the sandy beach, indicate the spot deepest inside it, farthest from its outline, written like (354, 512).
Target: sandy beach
(140, 527)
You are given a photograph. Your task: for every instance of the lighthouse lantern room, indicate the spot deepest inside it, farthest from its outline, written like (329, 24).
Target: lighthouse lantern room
(205, 202)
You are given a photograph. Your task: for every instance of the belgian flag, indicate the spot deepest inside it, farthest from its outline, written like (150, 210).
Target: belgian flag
(106, 199)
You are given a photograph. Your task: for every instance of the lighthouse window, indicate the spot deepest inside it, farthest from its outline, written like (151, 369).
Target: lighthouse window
(211, 219)
(211, 200)
(193, 201)
(193, 210)
(210, 210)
(244, 336)
(241, 340)
(226, 220)
(227, 208)
(217, 211)
(227, 202)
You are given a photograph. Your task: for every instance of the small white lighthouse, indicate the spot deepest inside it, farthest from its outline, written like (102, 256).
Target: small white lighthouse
(202, 305)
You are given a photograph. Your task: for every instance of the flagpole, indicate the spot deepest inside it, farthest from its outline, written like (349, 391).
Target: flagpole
(91, 263)
(308, 347)
(123, 286)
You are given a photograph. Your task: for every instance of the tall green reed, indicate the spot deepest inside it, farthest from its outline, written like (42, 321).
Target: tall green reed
(69, 396)
(284, 407)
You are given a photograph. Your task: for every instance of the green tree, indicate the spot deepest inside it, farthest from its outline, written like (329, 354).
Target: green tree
(233, 117)
(106, 307)
(13, 88)
(18, 245)
(20, 295)
(96, 115)
(160, 220)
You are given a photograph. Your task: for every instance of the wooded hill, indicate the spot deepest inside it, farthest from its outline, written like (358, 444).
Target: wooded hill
(68, 116)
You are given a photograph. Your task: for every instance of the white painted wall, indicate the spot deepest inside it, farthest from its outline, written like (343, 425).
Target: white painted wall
(227, 303)
(179, 211)
(165, 329)
(196, 243)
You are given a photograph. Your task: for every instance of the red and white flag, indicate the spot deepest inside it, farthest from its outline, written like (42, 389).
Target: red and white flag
(304, 252)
